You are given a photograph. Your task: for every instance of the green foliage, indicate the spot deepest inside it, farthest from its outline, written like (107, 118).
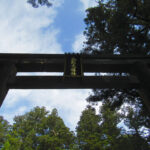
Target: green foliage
(139, 135)
(88, 130)
(39, 130)
(98, 131)
(119, 27)
(101, 131)
(12, 143)
(4, 128)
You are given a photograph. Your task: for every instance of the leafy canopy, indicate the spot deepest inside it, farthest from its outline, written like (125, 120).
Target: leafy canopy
(118, 26)
(38, 129)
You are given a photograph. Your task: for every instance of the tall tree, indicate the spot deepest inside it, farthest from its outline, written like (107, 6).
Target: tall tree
(88, 131)
(119, 27)
(100, 131)
(110, 133)
(40, 130)
(106, 130)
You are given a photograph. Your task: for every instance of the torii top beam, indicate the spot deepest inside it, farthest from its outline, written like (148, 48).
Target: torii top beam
(55, 62)
(10, 64)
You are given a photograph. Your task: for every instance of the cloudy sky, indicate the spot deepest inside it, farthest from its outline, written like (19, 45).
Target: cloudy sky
(57, 29)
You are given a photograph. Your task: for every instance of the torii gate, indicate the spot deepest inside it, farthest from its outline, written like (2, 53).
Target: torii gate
(74, 66)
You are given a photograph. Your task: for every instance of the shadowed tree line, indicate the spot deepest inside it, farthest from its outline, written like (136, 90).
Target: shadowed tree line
(119, 27)
(43, 130)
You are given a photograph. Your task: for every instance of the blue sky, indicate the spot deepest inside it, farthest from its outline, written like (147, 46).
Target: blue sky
(43, 30)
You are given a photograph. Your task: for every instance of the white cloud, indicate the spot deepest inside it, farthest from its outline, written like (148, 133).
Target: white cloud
(9, 116)
(88, 3)
(26, 29)
(14, 96)
(69, 103)
(78, 43)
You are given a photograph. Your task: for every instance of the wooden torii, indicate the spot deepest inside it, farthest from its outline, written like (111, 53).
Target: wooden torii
(74, 66)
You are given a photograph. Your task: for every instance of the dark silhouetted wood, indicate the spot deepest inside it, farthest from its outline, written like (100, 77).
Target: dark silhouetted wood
(7, 75)
(137, 66)
(142, 72)
(55, 62)
(87, 82)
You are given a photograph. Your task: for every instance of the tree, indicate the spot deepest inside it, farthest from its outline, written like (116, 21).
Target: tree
(138, 135)
(119, 27)
(4, 128)
(40, 130)
(99, 131)
(88, 131)
(12, 142)
(123, 137)
(102, 131)
(110, 133)
(37, 3)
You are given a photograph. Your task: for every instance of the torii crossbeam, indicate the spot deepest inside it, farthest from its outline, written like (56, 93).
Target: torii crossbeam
(74, 66)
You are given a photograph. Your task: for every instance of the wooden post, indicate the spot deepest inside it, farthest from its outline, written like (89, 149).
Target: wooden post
(143, 74)
(7, 75)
